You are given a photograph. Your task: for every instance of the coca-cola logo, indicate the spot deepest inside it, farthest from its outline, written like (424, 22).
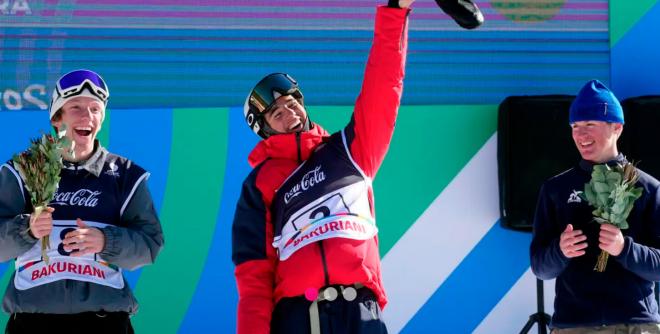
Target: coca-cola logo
(308, 180)
(83, 197)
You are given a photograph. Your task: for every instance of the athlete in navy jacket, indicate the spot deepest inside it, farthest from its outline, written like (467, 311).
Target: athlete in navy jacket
(566, 241)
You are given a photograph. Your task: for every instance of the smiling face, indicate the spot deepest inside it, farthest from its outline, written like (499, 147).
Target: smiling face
(82, 117)
(596, 140)
(287, 115)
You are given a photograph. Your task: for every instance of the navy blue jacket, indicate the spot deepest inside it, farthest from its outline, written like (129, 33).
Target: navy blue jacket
(624, 292)
(106, 189)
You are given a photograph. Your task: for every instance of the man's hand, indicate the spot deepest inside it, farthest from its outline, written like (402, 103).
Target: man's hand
(400, 3)
(572, 242)
(611, 239)
(42, 225)
(85, 240)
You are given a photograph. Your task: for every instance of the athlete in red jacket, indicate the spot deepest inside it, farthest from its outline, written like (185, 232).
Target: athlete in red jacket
(304, 234)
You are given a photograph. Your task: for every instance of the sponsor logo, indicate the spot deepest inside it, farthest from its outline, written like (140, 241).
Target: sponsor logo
(332, 226)
(575, 197)
(65, 267)
(348, 226)
(112, 171)
(83, 197)
(309, 180)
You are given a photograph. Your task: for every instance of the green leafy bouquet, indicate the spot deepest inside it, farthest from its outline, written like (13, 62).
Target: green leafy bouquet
(39, 167)
(612, 193)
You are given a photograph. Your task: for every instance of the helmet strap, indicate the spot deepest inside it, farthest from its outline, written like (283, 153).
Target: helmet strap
(308, 125)
(266, 130)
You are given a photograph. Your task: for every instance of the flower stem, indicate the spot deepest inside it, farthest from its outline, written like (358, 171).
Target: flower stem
(45, 240)
(602, 261)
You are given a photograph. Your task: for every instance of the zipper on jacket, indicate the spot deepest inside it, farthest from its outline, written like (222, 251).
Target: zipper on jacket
(326, 275)
(298, 147)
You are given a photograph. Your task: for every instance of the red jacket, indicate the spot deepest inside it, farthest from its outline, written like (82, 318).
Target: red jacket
(314, 191)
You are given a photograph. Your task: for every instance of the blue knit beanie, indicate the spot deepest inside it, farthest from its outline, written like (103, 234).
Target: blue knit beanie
(595, 102)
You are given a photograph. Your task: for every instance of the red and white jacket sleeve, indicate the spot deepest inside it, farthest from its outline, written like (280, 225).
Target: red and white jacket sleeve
(370, 130)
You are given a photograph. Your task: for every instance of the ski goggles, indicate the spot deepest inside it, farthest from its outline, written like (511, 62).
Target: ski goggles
(270, 88)
(73, 83)
(78, 83)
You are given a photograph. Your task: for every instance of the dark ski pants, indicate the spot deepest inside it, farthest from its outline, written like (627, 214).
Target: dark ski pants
(87, 322)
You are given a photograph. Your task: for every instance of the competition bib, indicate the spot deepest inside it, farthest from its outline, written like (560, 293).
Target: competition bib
(341, 214)
(32, 271)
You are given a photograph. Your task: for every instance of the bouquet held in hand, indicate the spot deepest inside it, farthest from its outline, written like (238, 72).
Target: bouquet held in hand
(39, 167)
(611, 191)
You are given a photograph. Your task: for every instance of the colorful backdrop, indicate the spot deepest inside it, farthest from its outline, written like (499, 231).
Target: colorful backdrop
(179, 72)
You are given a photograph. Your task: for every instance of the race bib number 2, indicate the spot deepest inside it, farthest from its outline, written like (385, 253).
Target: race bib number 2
(328, 218)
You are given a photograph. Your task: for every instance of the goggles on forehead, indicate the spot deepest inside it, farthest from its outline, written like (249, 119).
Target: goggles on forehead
(73, 83)
(78, 83)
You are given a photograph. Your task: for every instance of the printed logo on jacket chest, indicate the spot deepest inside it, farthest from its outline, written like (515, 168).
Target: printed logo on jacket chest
(82, 197)
(574, 197)
(112, 170)
(309, 180)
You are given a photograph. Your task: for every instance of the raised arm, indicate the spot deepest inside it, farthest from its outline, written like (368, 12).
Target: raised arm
(370, 130)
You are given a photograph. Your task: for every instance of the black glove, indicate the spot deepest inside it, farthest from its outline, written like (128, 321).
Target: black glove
(464, 12)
